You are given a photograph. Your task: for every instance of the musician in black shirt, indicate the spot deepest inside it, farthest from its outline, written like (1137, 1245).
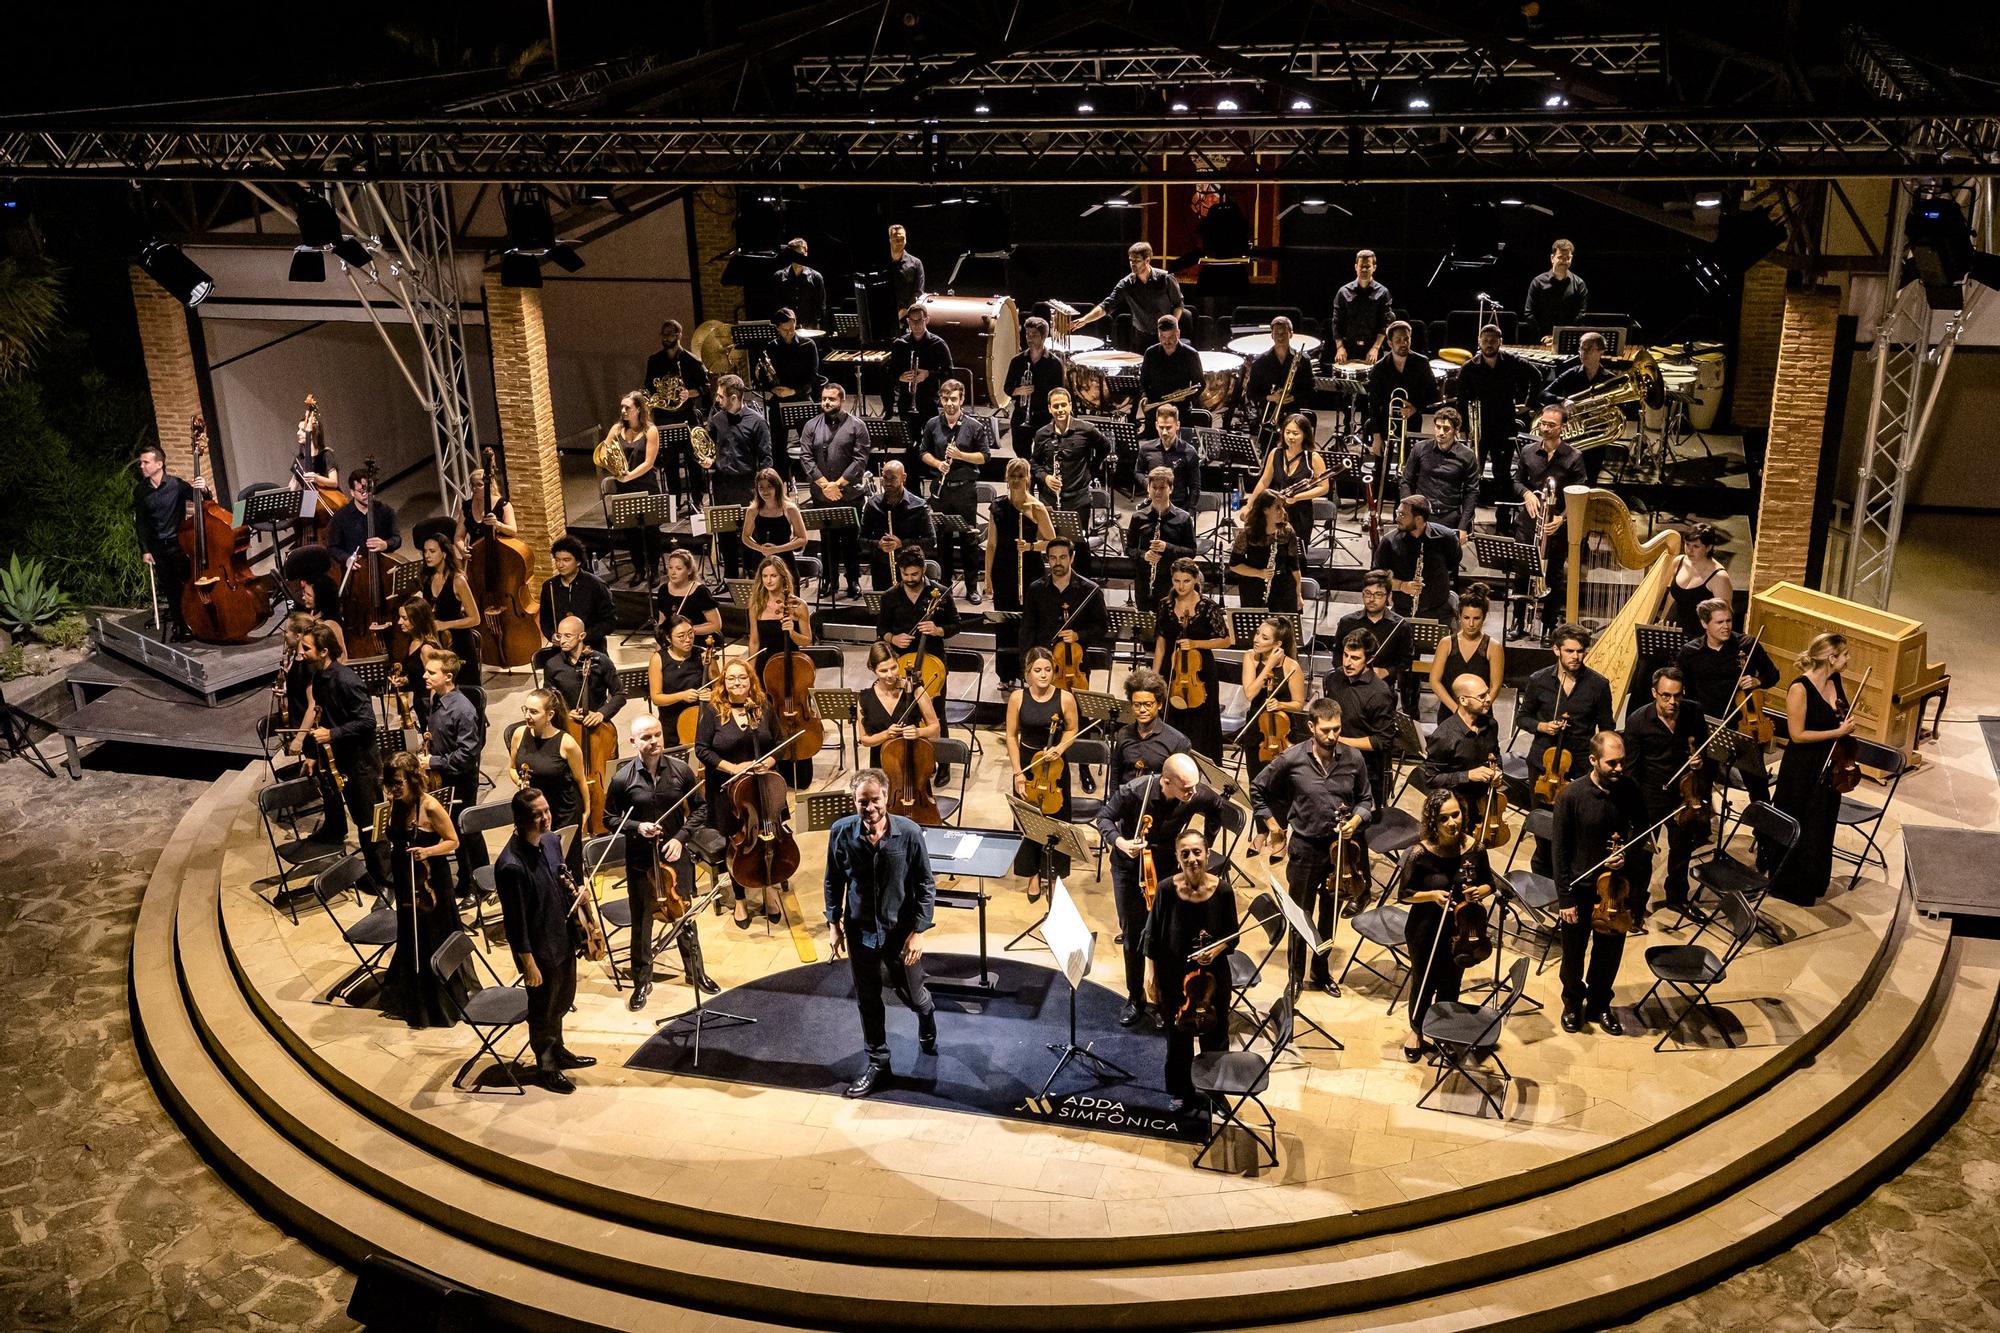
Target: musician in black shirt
(835, 460)
(1402, 370)
(1068, 455)
(1312, 792)
(1716, 666)
(1362, 313)
(159, 507)
(1367, 708)
(1659, 737)
(1169, 367)
(1542, 472)
(1502, 386)
(342, 722)
(1417, 543)
(1145, 294)
(1392, 654)
(1031, 376)
(1563, 705)
(800, 286)
(369, 524)
(1171, 799)
(1160, 533)
(575, 591)
(1171, 450)
(1143, 744)
(661, 830)
(1445, 471)
(919, 359)
(1555, 298)
(906, 271)
(916, 607)
(891, 519)
(1590, 810)
(583, 676)
(742, 444)
(787, 370)
(1268, 374)
(1579, 377)
(675, 362)
(1064, 606)
(535, 905)
(1465, 756)
(951, 449)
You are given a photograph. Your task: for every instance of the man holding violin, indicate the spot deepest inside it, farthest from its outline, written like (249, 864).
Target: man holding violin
(1313, 795)
(1065, 607)
(1563, 705)
(1588, 814)
(1717, 668)
(879, 898)
(581, 674)
(1659, 738)
(1461, 754)
(1167, 802)
(667, 814)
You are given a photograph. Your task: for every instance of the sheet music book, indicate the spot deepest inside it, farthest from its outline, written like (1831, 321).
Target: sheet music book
(1069, 939)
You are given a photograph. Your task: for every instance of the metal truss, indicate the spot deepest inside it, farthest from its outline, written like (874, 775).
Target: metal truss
(1561, 146)
(1351, 63)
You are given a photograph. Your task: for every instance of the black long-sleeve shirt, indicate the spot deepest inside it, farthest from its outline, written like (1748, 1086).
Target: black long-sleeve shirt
(1145, 300)
(1183, 460)
(804, 292)
(1042, 374)
(649, 796)
(958, 484)
(836, 449)
(1074, 457)
(1174, 928)
(1081, 603)
(1553, 302)
(795, 363)
(1359, 316)
(1267, 376)
(454, 735)
(1573, 379)
(908, 520)
(571, 679)
(1133, 755)
(742, 442)
(157, 511)
(1367, 709)
(901, 613)
(348, 530)
(1585, 711)
(1534, 468)
(1414, 377)
(1497, 388)
(1311, 800)
(1399, 551)
(1448, 478)
(906, 280)
(347, 711)
(665, 365)
(1393, 649)
(1162, 372)
(1655, 752)
(885, 889)
(584, 597)
(533, 902)
(1586, 816)
(1175, 528)
(929, 352)
(1710, 674)
(1454, 750)
(1118, 817)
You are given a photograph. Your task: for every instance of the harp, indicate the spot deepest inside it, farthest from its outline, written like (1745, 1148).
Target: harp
(1616, 581)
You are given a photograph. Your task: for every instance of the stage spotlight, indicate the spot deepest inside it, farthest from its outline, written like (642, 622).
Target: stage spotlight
(1420, 100)
(1179, 108)
(982, 110)
(181, 276)
(1555, 101)
(1708, 199)
(1085, 109)
(1301, 104)
(529, 226)
(598, 193)
(565, 256)
(318, 227)
(308, 264)
(1228, 104)
(519, 270)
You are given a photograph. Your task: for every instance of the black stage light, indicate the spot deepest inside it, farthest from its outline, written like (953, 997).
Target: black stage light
(318, 227)
(565, 256)
(519, 270)
(529, 226)
(1941, 252)
(181, 276)
(353, 252)
(598, 193)
(308, 264)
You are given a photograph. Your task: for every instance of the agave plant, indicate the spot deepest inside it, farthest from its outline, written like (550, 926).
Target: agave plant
(27, 596)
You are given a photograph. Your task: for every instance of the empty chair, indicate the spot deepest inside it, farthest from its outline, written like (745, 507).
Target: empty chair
(372, 936)
(1460, 1030)
(1386, 927)
(1232, 1080)
(280, 804)
(1690, 970)
(491, 1012)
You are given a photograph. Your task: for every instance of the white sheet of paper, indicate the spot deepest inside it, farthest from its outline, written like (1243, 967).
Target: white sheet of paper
(1070, 940)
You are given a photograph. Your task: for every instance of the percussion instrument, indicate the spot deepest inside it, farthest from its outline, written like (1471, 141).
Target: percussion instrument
(1256, 344)
(984, 333)
(1076, 345)
(1445, 372)
(1221, 382)
(1458, 356)
(1091, 373)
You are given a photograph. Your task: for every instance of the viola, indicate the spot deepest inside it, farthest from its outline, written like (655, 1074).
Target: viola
(1347, 875)
(1612, 913)
(927, 668)
(222, 601)
(763, 852)
(1274, 729)
(788, 680)
(1555, 766)
(585, 929)
(396, 684)
(1198, 994)
(1695, 787)
(1751, 720)
(1843, 761)
(668, 905)
(1471, 936)
(1070, 675)
(910, 764)
(1493, 831)
(1149, 871)
(690, 719)
(497, 568)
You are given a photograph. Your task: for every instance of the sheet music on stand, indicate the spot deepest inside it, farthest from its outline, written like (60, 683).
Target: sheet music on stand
(1659, 643)
(637, 509)
(720, 520)
(739, 592)
(1226, 448)
(405, 577)
(1107, 709)
(1130, 623)
(751, 334)
(951, 525)
(886, 434)
(1724, 744)
(791, 415)
(1067, 523)
(279, 506)
(1245, 621)
(1052, 834)
(1425, 635)
(830, 517)
(847, 325)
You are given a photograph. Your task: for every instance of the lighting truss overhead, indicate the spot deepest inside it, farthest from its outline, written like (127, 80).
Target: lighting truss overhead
(352, 252)
(181, 276)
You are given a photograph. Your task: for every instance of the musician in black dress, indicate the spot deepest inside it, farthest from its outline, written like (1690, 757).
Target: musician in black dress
(1660, 735)
(1590, 811)
(1019, 529)
(1698, 578)
(1295, 470)
(1468, 651)
(1190, 932)
(1274, 696)
(894, 517)
(1817, 713)
(951, 450)
(1167, 802)
(919, 359)
(544, 756)
(894, 707)
(737, 730)
(1188, 620)
(636, 440)
(575, 591)
(1445, 868)
(1265, 556)
(422, 843)
(1563, 705)
(1490, 392)
(1041, 723)
(1169, 372)
(535, 905)
(1143, 744)
(341, 721)
(1160, 533)
(1281, 381)
(452, 604)
(1542, 472)
(1031, 376)
(1418, 544)
(772, 523)
(678, 674)
(683, 594)
(835, 460)
(1719, 664)
(159, 506)
(666, 814)
(1307, 799)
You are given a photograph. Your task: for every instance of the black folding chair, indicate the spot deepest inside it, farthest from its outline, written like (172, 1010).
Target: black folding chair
(283, 803)
(491, 1011)
(1245, 972)
(615, 911)
(1777, 835)
(1233, 1079)
(475, 821)
(375, 932)
(1386, 927)
(954, 753)
(1690, 970)
(1865, 817)
(1458, 1030)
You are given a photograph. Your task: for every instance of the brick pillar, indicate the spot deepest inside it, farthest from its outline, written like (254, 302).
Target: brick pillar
(170, 367)
(712, 221)
(1761, 317)
(1786, 512)
(527, 417)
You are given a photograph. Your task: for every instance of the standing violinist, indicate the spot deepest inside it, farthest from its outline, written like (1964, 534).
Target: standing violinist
(1367, 707)
(535, 905)
(450, 750)
(779, 623)
(1188, 934)
(1018, 526)
(1065, 607)
(1170, 799)
(952, 449)
(1717, 667)
(367, 525)
(1143, 744)
(582, 675)
(1563, 705)
(1590, 810)
(1041, 723)
(895, 517)
(1818, 712)
(575, 591)
(677, 676)
(895, 708)
(1433, 872)
(666, 813)
(736, 733)
(1463, 753)
(1658, 740)
(1186, 620)
(1312, 795)
(915, 609)
(341, 721)
(159, 506)
(1160, 533)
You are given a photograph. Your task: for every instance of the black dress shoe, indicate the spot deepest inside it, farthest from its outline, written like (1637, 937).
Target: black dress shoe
(639, 994)
(1417, 1052)
(927, 1033)
(707, 985)
(974, 597)
(1607, 1020)
(1089, 780)
(1572, 1021)
(1130, 1015)
(870, 1078)
(571, 1060)
(554, 1080)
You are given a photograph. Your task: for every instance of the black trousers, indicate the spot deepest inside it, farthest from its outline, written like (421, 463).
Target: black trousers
(1680, 850)
(1434, 977)
(639, 894)
(907, 979)
(1307, 861)
(547, 1003)
(840, 550)
(361, 795)
(1181, 1042)
(961, 552)
(1589, 965)
(170, 574)
(1131, 904)
(471, 850)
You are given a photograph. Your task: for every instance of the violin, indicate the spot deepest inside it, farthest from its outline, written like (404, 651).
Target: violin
(222, 602)
(762, 852)
(1843, 761)
(668, 905)
(1045, 773)
(1492, 830)
(600, 750)
(926, 668)
(1696, 787)
(788, 680)
(1471, 940)
(1068, 655)
(1612, 913)
(1347, 876)
(1555, 768)
(1198, 994)
(497, 568)
(396, 683)
(910, 764)
(1750, 719)
(586, 931)
(1274, 725)
(1149, 872)
(1187, 689)
(690, 719)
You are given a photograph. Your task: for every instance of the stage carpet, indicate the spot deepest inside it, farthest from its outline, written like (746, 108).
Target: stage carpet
(992, 1059)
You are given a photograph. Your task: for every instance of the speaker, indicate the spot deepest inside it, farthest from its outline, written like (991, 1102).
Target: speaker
(1742, 239)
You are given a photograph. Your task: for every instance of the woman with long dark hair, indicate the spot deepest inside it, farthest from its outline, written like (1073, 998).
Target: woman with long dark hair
(1264, 558)
(1445, 860)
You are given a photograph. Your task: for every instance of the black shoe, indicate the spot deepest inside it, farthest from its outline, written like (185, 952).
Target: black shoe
(853, 593)
(554, 1080)
(1131, 1014)
(1572, 1021)
(571, 1060)
(1417, 1052)
(927, 1033)
(1089, 781)
(740, 922)
(870, 1078)
(707, 985)
(975, 597)
(1607, 1020)
(639, 994)
(1327, 984)
(1196, 1105)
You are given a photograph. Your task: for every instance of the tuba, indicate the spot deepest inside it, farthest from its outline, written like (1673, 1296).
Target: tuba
(1597, 415)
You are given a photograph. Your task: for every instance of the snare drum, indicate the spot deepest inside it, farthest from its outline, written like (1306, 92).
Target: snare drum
(1090, 376)
(1445, 373)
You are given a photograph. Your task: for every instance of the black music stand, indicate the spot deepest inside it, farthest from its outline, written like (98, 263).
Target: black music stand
(828, 518)
(647, 511)
(1122, 434)
(405, 577)
(701, 1015)
(719, 521)
(1107, 709)
(1659, 643)
(842, 707)
(1080, 943)
(1519, 560)
(1344, 465)
(1507, 903)
(1230, 449)
(1054, 835)
(1132, 626)
(278, 507)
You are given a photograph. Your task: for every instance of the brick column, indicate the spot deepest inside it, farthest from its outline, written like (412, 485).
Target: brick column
(170, 367)
(712, 222)
(527, 417)
(1804, 371)
(1761, 316)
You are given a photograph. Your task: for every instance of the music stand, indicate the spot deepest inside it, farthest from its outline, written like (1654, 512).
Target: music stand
(1132, 626)
(278, 507)
(1067, 523)
(1425, 636)
(1520, 560)
(405, 577)
(739, 592)
(1300, 924)
(828, 519)
(1343, 465)
(701, 1015)
(1724, 745)
(872, 600)
(1660, 643)
(1244, 621)
(841, 706)
(1074, 945)
(1054, 835)
(1108, 709)
(1507, 902)
(1121, 433)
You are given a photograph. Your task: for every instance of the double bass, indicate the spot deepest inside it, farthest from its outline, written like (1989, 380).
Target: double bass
(909, 765)
(364, 594)
(222, 601)
(497, 568)
(330, 500)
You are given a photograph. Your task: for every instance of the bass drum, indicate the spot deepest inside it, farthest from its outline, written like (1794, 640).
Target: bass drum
(984, 334)
(1091, 376)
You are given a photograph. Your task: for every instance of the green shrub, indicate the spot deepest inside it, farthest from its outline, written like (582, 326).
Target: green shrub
(69, 631)
(13, 662)
(28, 597)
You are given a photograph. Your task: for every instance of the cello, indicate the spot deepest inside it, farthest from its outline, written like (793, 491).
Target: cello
(364, 591)
(330, 499)
(222, 601)
(909, 763)
(762, 852)
(788, 680)
(497, 569)
(600, 750)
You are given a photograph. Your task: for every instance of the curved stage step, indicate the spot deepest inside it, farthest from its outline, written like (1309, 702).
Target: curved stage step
(1576, 1246)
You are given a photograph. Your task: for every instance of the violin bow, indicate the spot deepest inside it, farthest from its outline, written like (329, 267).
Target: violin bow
(1627, 846)
(1048, 750)
(1079, 606)
(737, 777)
(1853, 702)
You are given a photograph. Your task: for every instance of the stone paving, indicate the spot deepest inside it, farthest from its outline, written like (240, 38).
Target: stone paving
(110, 1220)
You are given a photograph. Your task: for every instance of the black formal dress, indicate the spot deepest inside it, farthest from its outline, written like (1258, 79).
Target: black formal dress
(677, 674)
(420, 929)
(1202, 724)
(1281, 591)
(549, 773)
(1176, 928)
(1435, 976)
(1804, 793)
(1041, 724)
(738, 740)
